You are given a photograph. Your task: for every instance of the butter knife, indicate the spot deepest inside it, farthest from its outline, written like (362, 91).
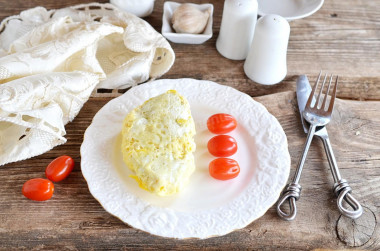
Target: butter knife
(341, 188)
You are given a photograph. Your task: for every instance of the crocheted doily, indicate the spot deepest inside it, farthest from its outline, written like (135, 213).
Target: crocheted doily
(147, 48)
(52, 60)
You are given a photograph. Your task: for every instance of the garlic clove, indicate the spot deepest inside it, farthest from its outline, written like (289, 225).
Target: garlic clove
(188, 19)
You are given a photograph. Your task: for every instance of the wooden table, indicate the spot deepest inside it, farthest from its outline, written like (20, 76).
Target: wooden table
(343, 37)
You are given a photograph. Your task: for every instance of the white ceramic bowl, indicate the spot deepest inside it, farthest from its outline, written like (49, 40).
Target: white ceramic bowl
(141, 8)
(183, 38)
(289, 9)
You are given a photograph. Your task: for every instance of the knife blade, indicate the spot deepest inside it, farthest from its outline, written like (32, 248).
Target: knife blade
(303, 92)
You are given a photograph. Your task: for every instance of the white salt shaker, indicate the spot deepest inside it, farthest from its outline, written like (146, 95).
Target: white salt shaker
(237, 28)
(266, 60)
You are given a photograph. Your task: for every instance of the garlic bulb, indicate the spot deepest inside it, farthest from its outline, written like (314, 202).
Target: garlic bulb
(188, 19)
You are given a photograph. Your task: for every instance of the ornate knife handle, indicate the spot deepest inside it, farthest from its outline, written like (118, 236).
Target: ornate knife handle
(343, 191)
(341, 188)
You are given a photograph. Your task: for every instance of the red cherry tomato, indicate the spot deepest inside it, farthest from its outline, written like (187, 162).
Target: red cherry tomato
(224, 168)
(38, 189)
(59, 168)
(221, 123)
(222, 146)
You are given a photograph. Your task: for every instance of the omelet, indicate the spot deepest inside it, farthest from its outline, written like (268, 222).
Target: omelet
(158, 143)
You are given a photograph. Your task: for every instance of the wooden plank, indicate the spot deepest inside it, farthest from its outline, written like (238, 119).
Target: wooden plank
(341, 38)
(75, 220)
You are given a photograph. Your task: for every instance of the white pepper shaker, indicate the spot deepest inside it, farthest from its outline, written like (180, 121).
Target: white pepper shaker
(237, 28)
(266, 60)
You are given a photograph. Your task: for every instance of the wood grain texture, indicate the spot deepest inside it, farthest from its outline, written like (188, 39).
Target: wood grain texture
(73, 219)
(356, 233)
(343, 37)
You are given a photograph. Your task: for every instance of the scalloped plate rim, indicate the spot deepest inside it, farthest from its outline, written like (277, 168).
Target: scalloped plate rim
(285, 169)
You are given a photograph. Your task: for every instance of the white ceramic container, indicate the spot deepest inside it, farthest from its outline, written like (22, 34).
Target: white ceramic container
(185, 38)
(140, 8)
(289, 9)
(266, 60)
(237, 28)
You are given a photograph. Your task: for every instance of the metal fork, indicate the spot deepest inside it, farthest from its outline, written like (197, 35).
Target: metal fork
(316, 115)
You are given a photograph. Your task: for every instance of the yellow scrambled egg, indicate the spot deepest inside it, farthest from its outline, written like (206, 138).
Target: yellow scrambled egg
(158, 143)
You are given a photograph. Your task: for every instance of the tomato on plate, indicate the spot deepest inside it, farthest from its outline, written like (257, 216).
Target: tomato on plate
(38, 189)
(224, 168)
(59, 168)
(222, 146)
(221, 123)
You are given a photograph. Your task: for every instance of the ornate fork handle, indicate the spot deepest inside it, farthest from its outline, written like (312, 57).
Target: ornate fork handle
(341, 188)
(292, 193)
(292, 190)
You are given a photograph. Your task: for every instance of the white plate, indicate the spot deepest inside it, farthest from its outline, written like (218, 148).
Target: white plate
(289, 9)
(207, 207)
(183, 38)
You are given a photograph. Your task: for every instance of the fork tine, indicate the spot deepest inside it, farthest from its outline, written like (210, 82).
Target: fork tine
(324, 104)
(320, 91)
(331, 107)
(308, 103)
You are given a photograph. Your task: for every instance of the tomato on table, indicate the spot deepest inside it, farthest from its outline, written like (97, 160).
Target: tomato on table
(222, 146)
(221, 123)
(224, 168)
(38, 189)
(59, 168)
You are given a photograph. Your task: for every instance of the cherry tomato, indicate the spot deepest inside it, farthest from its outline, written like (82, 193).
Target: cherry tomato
(221, 123)
(222, 146)
(38, 189)
(59, 168)
(224, 168)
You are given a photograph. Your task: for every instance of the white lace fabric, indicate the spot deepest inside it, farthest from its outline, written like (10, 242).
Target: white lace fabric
(51, 61)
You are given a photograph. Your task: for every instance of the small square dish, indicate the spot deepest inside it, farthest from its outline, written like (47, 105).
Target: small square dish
(184, 38)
